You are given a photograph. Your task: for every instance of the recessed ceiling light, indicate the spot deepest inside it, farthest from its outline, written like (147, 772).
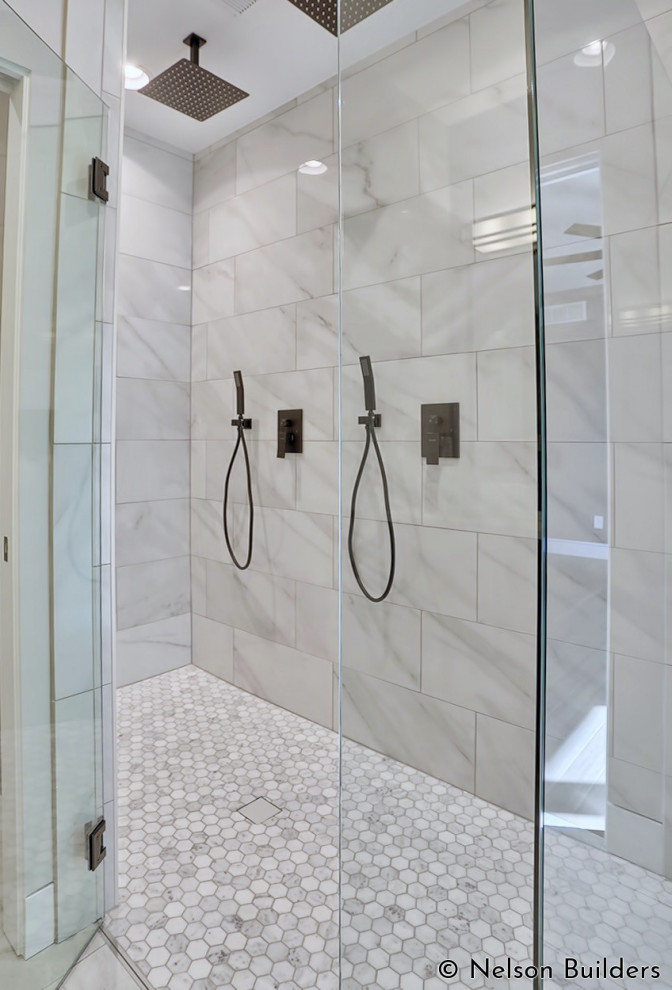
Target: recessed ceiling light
(595, 55)
(135, 76)
(313, 167)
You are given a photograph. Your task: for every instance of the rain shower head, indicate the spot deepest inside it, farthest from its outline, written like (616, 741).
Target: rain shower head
(325, 12)
(192, 90)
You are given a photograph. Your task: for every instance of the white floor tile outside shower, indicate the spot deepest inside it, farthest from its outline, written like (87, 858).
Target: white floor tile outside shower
(210, 899)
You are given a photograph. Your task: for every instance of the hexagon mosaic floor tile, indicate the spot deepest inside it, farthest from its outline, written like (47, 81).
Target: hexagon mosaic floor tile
(210, 899)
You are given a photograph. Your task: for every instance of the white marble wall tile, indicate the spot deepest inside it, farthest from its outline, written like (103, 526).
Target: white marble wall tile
(639, 702)
(260, 216)
(165, 591)
(152, 290)
(567, 28)
(576, 683)
(628, 80)
(635, 838)
(497, 39)
(249, 600)
(273, 479)
(197, 452)
(301, 134)
(505, 766)
(212, 647)
(578, 483)
(505, 191)
(151, 349)
(212, 409)
(214, 177)
(412, 81)
(638, 607)
(207, 535)
(152, 469)
(436, 568)
(382, 320)
(288, 678)
(199, 352)
(298, 268)
(381, 170)
(84, 27)
(312, 391)
(156, 175)
(153, 648)
(663, 156)
(506, 394)
(491, 488)
(296, 545)
(317, 478)
(257, 343)
(383, 641)
(402, 387)
(628, 161)
(404, 469)
(152, 530)
(415, 236)
(423, 732)
(507, 579)
(577, 599)
(152, 410)
(213, 292)
(635, 388)
(200, 248)
(154, 232)
(479, 307)
(198, 585)
(576, 396)
(317, 197)
(636, 789)
(635, 282)
(317, 621)
(317, 333)
(639, 503)
(571, 99)
(491, 671)
(482, 133)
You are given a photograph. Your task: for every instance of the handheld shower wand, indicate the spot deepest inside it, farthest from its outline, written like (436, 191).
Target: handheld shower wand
(371, 421)
(241, 425)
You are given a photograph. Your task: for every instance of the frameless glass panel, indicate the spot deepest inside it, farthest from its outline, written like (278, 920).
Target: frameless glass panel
(51, 127)
(604, 104)
(438, 677)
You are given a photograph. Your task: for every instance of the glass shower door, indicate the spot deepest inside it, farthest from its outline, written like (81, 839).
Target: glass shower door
(437, 677)
(604, 79)
(51, 672)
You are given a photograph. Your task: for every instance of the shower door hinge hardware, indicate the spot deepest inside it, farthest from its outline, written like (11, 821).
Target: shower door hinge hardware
(95, 843)
(5, 549)
(98, 173)
(440, 431)
(377, 420)
(290, 431)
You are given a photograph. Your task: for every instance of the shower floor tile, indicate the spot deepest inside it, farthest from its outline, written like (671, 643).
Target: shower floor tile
(210, 900)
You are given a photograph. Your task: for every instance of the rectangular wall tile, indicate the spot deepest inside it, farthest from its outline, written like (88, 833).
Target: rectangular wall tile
(153, 648)
(152, 591)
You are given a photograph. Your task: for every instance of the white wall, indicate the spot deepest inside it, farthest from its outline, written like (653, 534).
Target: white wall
(442, 675)
(153, 396)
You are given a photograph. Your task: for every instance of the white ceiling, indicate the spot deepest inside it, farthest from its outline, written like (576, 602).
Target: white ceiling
(272, 50)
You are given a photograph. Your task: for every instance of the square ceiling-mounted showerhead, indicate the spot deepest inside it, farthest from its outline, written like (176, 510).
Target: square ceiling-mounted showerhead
(325, 12)
(192, 90)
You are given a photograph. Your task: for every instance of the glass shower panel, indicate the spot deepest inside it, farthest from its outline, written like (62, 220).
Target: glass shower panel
(605, 127)
(438, 677)
(51, 661)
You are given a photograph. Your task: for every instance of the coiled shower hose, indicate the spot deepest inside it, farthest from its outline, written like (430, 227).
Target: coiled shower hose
(241, 424)
(371, 438)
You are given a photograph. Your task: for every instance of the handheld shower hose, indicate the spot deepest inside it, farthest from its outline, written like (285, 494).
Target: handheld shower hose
(370, 422)
(241, 425)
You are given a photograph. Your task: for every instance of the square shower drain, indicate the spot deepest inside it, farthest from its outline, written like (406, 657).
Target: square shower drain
(259, 811)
